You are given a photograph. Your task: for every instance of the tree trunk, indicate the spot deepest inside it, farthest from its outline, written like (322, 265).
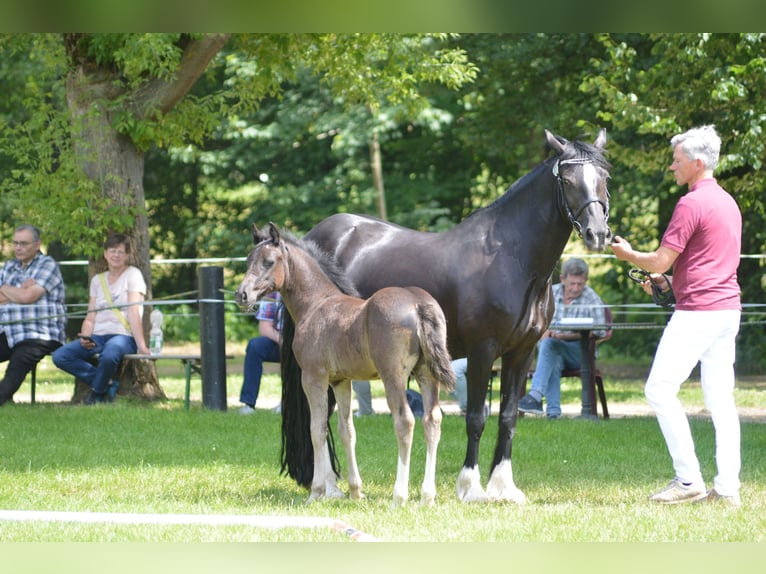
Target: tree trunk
(377, 176)
(114, 162)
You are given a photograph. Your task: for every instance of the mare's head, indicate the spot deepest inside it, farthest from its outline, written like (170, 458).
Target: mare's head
(266, 266)
(582, 174)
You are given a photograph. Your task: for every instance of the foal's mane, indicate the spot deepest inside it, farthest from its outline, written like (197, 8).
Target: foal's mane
(326, 262)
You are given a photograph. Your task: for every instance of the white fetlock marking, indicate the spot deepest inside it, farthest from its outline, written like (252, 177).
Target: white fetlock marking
(332, 491)
(469, 486)
(501, 486)
(427, 499)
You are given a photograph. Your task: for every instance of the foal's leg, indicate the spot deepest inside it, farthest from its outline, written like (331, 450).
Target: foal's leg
(324, 483)
(404, 427)
(347, 435)
(432, 429)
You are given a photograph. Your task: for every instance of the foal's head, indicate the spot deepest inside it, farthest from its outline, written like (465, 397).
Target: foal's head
(266, 266)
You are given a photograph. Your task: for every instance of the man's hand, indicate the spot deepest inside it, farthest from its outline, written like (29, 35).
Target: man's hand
(621, 248)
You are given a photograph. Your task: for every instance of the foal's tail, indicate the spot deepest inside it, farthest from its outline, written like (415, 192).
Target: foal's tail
(432, 331)
(297, 457)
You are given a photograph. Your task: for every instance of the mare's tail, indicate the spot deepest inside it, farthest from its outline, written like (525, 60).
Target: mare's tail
(297, 457)
(432, 331)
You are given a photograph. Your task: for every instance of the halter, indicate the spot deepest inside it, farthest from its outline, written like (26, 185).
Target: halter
(282, 246)
(562, 198)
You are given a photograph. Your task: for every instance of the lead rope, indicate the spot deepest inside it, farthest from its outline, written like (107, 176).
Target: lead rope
(660, 297)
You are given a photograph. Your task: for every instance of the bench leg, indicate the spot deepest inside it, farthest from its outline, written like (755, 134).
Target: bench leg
(188, 369)
(33, 384)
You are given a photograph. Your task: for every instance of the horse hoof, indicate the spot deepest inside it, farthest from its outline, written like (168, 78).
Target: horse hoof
(469, 487)
(474, 495)
(334, 492)
(399, 500)
(427, 499)
(501, 487)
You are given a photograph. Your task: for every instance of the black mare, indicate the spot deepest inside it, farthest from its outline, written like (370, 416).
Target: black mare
(491, 274)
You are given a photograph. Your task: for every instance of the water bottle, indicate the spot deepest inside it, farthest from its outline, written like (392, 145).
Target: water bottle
(155, 334)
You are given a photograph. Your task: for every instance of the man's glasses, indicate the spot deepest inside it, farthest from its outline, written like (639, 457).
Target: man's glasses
(23, 243)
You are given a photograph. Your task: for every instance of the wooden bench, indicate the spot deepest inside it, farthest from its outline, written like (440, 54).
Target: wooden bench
(191, 362)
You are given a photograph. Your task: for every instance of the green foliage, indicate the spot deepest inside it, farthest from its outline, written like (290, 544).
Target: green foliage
(279, 129)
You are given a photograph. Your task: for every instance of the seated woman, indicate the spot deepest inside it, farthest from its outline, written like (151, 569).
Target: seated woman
(112, 327)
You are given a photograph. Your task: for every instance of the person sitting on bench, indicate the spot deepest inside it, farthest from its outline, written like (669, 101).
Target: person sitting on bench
(32, 312)
(112, 327)
(559, 350)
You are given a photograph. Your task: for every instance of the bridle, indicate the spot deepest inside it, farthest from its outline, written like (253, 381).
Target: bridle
(562, 198)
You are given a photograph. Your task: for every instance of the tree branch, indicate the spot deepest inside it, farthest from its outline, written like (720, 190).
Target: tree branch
(162, 95)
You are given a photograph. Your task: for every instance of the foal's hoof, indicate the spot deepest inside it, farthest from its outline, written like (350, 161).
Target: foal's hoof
(399, 500)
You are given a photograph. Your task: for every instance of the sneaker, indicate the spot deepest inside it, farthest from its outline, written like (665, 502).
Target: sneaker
(528, 404)
(677, 492)
(111, 392)
(713, 496)
(277, 410)
(94, 397)
(246, 410)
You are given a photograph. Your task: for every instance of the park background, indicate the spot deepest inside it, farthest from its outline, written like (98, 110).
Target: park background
(418, 129)
(322, 108)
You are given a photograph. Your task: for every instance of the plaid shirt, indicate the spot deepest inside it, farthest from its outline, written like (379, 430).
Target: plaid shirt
(271, 309)
(588, 304)
(45, 318)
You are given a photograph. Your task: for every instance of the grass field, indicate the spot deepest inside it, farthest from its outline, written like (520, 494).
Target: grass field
(586, 481)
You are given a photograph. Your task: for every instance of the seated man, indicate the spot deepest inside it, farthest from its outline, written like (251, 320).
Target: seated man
(559, 350)
(261, 349)
(32, 313)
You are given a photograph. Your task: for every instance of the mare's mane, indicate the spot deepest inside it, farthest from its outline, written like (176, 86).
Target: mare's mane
(572, 150)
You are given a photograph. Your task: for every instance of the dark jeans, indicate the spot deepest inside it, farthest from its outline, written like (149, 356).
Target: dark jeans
(21, 359)
(259, 350)
(76, 359)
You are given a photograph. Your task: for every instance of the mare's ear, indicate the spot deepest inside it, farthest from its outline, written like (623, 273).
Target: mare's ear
(258, 235)
(274, 232)
(556, 143)
(600, 139)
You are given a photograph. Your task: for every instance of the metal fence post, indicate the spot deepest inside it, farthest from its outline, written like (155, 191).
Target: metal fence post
(212, 338)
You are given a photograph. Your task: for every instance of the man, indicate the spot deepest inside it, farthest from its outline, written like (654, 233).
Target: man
(32, 312)
(559, 349)
(261, 349)
(702, 244)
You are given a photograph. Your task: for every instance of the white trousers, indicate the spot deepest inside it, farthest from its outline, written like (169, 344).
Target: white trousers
(707, 337)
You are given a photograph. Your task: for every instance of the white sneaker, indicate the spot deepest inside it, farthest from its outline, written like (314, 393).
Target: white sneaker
(246, 410)
(713, 496)
(277, 409)
(677, 492)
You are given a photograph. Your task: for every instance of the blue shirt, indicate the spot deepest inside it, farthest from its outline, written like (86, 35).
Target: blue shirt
(45, 319)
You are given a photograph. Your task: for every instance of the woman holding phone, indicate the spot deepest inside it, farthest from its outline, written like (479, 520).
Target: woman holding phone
(112, 327)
